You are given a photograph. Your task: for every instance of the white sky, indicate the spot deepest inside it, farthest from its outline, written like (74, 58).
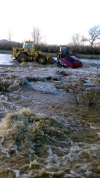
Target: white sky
(57, 20)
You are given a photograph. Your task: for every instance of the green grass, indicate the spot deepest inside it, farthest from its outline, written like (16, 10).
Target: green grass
(5, 52)
(88, 56)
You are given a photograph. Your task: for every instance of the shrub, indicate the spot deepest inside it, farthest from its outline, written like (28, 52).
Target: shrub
(80, 95)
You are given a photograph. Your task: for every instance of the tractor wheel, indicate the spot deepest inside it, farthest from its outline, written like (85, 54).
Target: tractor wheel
(42, 59)
(22, 58)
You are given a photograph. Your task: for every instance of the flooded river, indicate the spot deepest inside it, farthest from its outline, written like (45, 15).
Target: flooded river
(5, 59)
(62, 139)
(43, 147)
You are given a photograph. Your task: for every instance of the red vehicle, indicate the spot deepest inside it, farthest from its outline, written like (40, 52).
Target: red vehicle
(65, 59)
(71, 61)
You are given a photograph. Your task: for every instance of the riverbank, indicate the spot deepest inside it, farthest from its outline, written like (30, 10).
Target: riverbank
(5, 52)
(88, 56)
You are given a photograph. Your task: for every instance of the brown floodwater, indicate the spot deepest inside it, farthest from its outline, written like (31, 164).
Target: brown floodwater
(37, 146)
(66, 145)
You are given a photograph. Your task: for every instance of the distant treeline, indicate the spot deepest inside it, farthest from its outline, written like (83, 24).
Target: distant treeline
(8, 45)
(76, 49)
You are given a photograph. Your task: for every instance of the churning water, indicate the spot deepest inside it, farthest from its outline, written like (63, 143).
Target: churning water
(66, 145)
(37, 146)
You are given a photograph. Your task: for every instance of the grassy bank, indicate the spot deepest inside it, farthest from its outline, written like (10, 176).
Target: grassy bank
(83, 56)
(88, 56)
(5, 52)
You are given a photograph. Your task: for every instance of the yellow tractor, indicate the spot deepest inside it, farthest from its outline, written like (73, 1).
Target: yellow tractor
(28, 54)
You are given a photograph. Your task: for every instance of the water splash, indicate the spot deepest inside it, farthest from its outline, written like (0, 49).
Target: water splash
(43, 147)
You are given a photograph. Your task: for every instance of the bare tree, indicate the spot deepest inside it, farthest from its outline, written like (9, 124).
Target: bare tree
(36, 35)
(93, 36)
(76, 39)
(9, 35)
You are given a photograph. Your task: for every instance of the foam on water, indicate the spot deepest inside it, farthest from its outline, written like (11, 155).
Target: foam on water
(40, 146)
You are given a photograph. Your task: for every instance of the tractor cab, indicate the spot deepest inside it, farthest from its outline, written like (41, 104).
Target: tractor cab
(63, 52)
(63, 49)
(28, 44)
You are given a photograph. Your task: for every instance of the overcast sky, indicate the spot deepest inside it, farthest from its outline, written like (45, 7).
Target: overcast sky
(57, 20)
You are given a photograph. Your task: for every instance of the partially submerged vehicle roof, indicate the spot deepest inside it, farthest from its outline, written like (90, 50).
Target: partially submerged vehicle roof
(74, 57)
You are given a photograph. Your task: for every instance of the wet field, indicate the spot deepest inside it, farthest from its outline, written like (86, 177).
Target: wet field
(44, 133)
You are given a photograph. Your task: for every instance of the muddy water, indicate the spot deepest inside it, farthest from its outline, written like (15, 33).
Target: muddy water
(37, 146)
(66, 145)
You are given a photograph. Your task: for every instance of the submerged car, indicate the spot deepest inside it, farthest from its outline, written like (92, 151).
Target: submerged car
(70, 61)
